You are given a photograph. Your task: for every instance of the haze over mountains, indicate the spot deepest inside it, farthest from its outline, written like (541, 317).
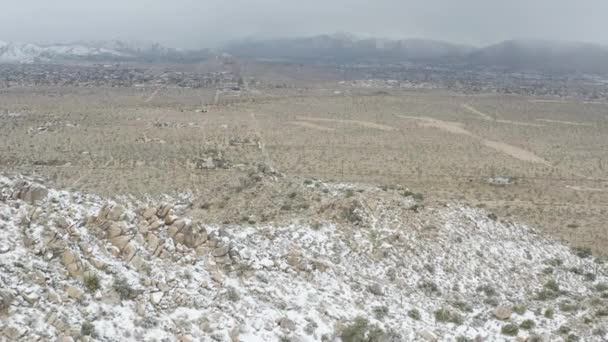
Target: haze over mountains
(518, 55)
(512, 54)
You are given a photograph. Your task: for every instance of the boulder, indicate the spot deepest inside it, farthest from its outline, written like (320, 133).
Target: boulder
(68, 257)
(34, 194)
(164, 210)
(427, 335)
(148, 213)
(116, 213)
(502, 312)
(74, 293)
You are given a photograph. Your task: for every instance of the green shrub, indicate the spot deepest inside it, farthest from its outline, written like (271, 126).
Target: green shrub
(552, 285)
(601, 287)
(555, 262)
(380, 312)
(124, 290)
(91, 282)
(567, 306)
(549, 313)
(583, 252)
(527, 324)
(519, 309)
(509, 329)
(487, 289)
(414, 314)
(428, 286)
(573, 338)
(447, 316)
(87, 329)
(362, 331)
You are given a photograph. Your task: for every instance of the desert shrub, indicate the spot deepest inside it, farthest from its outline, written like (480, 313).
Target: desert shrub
(583, 252)
(568, 306)
(572, 338)
(601, 287)
(549, 313)
(351, 214)
(550, 291)
(232, 294)
(447, 316)
(519, 309)
(428, 286)
(380, 311)
(362, 331)
(488, 290)
(6, 300)
(509, 329)
(418, 197)
(91, 282)
(310, 327)
(555, 262)
(414, 314)
(564, 329)
(603, 312)
(124, 290)
(463, 339)
(552, 285)
(462, 306)
(87, 329)
(527, 324)
(589, 276)
(576, 270)
(548, 270)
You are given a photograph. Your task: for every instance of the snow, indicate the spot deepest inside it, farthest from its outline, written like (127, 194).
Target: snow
(28, 53)
(456, 248)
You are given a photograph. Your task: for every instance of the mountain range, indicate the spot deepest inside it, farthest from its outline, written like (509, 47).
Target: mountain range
(510, 55)
(513, 55)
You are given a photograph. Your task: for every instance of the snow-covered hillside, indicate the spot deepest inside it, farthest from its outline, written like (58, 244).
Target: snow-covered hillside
(80, 267)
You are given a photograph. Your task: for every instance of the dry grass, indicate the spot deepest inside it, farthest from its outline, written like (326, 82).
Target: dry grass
(148, 141)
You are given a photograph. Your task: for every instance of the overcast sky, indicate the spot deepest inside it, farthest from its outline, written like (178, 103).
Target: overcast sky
(202, 23)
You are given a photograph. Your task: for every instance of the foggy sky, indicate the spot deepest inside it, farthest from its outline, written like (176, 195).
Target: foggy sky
(206, 23)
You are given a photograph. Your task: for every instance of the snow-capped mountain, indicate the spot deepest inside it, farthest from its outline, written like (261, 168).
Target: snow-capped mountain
(111, 50)
(29, 53)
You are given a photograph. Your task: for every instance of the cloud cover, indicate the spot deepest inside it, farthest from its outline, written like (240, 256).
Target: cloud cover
(200, 23)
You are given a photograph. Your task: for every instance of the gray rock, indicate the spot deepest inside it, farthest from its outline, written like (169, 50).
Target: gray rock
(502, 312)
(221, 251)
(287, 324)
(427, 335)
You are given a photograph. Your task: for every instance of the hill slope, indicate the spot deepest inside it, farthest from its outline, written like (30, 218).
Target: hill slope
(76, 265)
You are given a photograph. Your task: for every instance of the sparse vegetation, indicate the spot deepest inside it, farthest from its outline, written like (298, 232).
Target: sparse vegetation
(87, 329)
(509, 329)
(429, 287)
(583, 252)
(91, 282)
(380, 312)
(447, 316)
(527, 324)
(414, 314)
(519, 309)
(360, 330)
(123, 289)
